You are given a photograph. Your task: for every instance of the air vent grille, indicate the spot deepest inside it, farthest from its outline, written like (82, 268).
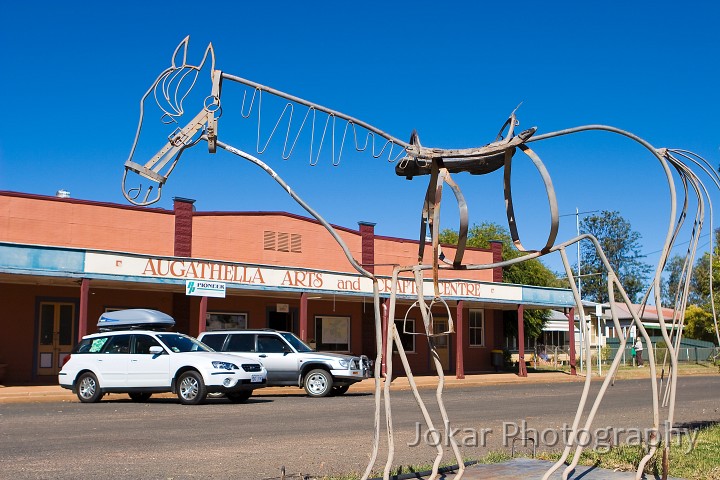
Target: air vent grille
(282, 242)
(269, 240)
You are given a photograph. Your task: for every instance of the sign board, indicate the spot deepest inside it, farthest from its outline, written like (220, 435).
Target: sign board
(139, 268)
(197, 288)
(282, 308)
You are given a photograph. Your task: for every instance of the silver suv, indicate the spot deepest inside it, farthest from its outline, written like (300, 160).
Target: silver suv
(290, 362)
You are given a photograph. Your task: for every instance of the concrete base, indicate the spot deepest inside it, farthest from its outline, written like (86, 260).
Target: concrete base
(526, 468)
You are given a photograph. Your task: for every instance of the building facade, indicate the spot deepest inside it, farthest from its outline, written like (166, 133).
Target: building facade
(64, 261)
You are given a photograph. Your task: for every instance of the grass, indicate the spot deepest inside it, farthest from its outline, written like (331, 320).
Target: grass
(702, 462)
(395, 471)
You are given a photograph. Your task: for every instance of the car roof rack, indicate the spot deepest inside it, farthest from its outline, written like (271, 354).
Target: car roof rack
(134, 319)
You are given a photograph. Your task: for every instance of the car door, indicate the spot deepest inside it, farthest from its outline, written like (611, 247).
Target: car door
(146, 369)
(112, 362)
(278, 357)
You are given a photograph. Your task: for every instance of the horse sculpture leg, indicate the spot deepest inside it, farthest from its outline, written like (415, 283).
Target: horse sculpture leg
(586, 386)
(377, 374)
(616, 361)
(429, 331)
(393, 339)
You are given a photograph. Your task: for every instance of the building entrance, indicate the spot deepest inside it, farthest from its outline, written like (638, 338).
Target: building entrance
(56, 331)
(280, 321)
(442, 342)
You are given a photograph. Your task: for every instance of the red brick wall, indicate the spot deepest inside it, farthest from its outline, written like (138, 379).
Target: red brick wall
(367, 233)
(390, 250)
(183, 209)
(43, 220)
(241, 238)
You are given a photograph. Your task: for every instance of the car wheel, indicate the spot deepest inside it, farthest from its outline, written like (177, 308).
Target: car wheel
(318, 383)
(140, 396)
(191, 388)
(88, 388)
(239, 397)
(340, 389)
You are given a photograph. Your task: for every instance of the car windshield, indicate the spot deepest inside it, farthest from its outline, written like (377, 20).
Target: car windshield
(296, 342)
(181, 343)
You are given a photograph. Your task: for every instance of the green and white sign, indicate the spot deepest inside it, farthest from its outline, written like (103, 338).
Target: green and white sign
(198, 288)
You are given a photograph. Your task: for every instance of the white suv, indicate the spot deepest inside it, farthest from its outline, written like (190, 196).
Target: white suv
(143, 361)
(289, 362)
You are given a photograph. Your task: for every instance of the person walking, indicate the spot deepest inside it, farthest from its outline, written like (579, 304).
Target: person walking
(639, 352)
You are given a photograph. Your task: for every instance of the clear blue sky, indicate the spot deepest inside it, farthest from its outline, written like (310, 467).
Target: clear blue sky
(72, 75)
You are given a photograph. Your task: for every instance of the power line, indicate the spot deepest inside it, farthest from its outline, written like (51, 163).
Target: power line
(677, 245)
(578, 213)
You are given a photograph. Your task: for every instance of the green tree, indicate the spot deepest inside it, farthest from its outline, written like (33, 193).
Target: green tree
(700, 282)
(699, 324)
(531, 272)
(621, 246)
(673, 271)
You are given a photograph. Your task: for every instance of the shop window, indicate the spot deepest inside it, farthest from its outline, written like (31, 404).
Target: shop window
(476, 321)
(332, 333)
(225, 321)
(407, 334)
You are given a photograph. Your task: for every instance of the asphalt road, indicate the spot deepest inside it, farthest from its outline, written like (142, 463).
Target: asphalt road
(163, 439)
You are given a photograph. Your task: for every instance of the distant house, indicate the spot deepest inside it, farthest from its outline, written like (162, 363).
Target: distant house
(601, 327)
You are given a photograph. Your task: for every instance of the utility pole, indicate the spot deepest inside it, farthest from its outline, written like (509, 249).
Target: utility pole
(579, 279)
(577, 227)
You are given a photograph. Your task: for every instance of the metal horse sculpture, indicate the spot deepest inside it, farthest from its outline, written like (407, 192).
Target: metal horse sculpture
(171, 89)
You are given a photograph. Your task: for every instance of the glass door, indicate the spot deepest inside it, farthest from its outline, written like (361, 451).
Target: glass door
(55, 336)
(441, 342)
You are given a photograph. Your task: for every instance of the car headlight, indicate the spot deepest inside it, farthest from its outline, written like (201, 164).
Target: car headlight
(224, 365)
(343, 363)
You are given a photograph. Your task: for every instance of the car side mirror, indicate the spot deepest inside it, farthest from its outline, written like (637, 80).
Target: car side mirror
(157, 350)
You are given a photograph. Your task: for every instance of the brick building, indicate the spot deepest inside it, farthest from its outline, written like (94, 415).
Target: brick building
(65, 261)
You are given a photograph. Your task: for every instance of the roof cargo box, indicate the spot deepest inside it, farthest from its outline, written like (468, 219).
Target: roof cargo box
(136, 318)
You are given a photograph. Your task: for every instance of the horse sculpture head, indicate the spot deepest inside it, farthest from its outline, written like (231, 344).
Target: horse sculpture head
(170, 90)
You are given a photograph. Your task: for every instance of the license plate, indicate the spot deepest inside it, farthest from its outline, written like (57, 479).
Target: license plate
(256, 378)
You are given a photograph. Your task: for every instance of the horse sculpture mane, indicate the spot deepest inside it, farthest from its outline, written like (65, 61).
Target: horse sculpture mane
(171, 89)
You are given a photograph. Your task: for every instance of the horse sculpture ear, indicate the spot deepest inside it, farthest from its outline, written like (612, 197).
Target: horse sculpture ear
(209, 52)
(177, 60)
(179, 56)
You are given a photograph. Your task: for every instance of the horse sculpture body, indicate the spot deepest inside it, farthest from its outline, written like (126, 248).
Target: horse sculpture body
(170, 90)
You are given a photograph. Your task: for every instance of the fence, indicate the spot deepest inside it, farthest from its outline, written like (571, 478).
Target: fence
(551, 357)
